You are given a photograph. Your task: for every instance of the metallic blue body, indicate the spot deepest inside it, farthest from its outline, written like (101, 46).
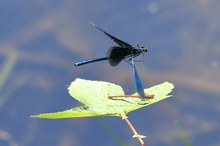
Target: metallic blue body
(137, 80)
(118, 53)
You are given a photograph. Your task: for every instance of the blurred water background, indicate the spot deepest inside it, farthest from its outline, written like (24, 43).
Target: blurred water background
(41, 39)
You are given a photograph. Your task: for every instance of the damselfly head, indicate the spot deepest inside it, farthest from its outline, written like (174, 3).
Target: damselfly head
(142, 48)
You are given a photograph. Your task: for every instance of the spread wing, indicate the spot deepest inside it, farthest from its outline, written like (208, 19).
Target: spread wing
(116, 40)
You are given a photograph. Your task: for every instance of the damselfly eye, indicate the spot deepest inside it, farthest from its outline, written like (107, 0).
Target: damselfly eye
(145, 49)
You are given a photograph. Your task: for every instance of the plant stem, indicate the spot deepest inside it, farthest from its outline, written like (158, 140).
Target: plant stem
(139, 137)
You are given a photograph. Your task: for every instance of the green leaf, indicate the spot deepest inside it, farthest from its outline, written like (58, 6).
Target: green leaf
(82, 111)
(94, 95)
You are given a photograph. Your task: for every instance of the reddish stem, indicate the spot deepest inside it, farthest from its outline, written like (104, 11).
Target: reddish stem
(125, 118)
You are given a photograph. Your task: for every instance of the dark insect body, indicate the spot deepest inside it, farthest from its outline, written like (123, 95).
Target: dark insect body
(116, 54)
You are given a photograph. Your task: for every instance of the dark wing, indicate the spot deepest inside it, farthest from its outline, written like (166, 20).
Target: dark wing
(116, 40)
(116, 54)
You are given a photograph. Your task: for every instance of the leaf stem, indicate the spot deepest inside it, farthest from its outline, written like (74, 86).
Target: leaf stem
(136, 135)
